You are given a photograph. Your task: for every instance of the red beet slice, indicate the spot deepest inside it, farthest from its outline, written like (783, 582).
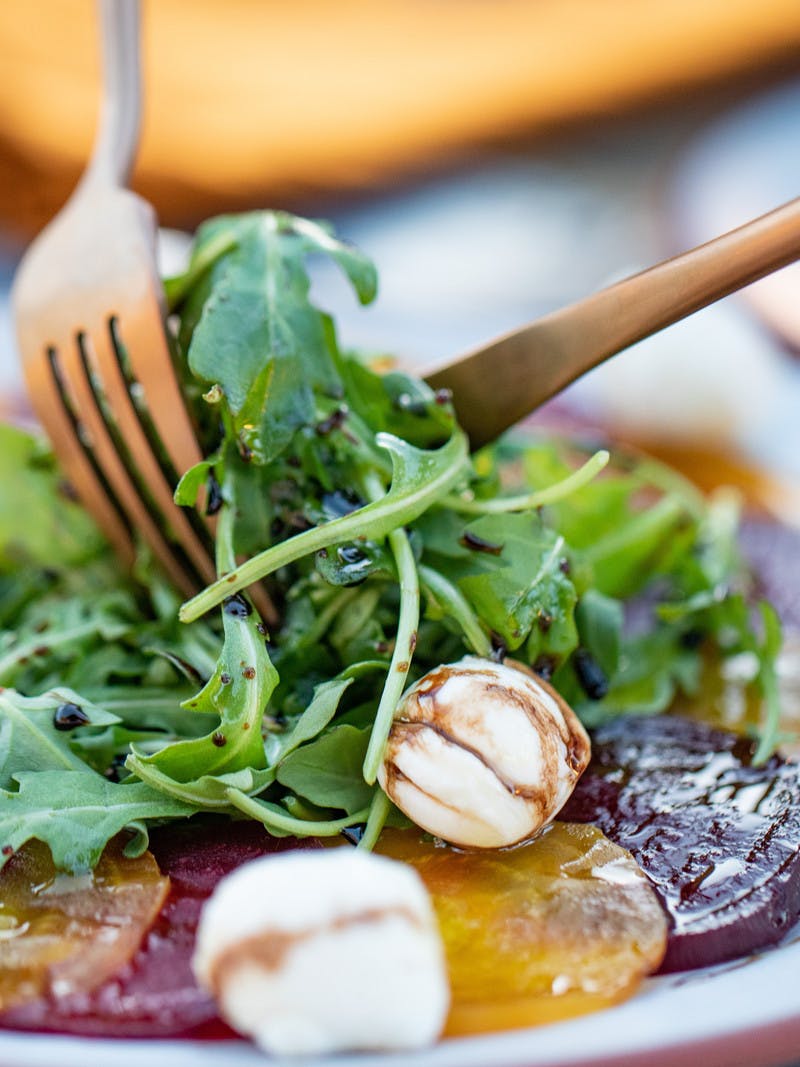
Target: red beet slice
(773, 552)
(156, 994)
(718, 837)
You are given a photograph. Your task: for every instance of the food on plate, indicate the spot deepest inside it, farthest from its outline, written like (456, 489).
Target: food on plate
(482, 754)
(384, 552)
(155, 993)
(716, 835)
(77, 931)
(564, 925)
(276, 931)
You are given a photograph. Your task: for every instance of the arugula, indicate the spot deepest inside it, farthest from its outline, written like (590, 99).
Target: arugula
(255, 337)
(44, 526)
(30, 736)
(76, 813)
(380, 549)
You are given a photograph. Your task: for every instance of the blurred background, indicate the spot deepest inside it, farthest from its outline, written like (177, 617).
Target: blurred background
(496, 158)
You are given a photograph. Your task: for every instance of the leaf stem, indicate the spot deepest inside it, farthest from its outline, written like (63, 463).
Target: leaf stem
(769, 685)
(376, 820)
(377, 519)
(528, 501)
(405, 641)
(272, 816)
(456, 606)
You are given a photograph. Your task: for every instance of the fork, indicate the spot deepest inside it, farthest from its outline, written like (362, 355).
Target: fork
(497, 384)
(100, 367)
(90, 320)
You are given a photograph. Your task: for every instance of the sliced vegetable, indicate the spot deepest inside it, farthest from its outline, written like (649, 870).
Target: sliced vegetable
(562, 926)
(64, 934)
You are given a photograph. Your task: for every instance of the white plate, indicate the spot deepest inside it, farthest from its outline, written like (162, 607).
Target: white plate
(745, 1014)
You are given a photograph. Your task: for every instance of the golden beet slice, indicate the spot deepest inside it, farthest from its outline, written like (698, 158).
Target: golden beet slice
(564, 925)
(62, 933)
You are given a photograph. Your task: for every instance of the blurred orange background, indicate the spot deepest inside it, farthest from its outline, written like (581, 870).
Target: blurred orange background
(261, 102)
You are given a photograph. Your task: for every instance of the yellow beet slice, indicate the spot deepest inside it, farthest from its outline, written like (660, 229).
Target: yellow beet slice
(62, 933)
(564, 925)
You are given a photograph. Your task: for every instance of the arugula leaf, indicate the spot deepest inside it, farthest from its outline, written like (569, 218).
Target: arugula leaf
(68, 628)
(209, 791)
(238, 692)
(328, 771)
(258, 338)
(40, 522)
(29, 737)
(651, 669)
(600, 620)
(313, 721)
(419, 477)
(76, 813)
(511, 568)
(398, 404)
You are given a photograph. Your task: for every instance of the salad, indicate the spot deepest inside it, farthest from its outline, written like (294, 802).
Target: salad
(359, 547)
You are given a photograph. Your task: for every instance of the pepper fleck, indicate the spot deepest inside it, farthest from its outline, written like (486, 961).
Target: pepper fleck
(219, 739)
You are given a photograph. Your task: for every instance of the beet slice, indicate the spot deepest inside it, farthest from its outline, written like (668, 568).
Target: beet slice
(773, 552)
(156, 994)
(718, 837)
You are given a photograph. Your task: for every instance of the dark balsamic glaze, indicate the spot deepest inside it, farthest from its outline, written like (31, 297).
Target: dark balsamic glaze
(718, 837)
(479, 544)
(237, 606)
(69, 716)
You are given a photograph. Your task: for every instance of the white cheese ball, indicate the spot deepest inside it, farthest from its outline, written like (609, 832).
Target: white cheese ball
(482, 754)
(318, 951)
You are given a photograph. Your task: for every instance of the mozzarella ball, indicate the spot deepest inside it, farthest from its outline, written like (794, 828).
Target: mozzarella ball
(483, 755)
(311, 952)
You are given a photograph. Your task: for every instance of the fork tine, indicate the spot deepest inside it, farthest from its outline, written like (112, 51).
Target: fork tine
(76, 377)
(75, 452)
(151, 365)
(136, 449)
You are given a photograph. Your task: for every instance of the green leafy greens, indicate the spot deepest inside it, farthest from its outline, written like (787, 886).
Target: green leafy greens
(385, 549)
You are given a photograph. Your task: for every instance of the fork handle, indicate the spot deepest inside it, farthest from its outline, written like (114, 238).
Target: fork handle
(499, 383)
(118, 130)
